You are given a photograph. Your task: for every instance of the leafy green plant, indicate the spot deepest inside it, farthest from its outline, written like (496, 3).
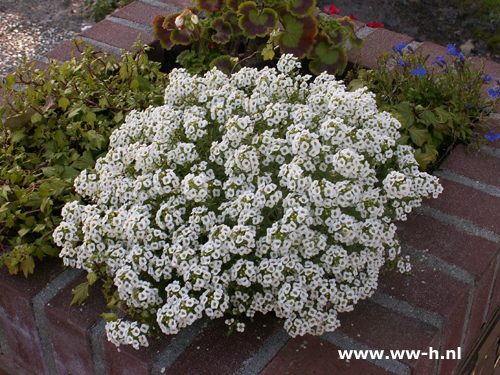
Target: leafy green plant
(101, 8)
(54, 124)
(438, 104)
(236, 31)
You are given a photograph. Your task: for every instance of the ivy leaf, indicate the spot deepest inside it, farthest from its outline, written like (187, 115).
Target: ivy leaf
(256, 23)
(110, 317)
(81, 292)
(298, 35)
(223, 31)
(27, 266)
(268, 52)
(300, 8)
(327, 56)
(64, 103)
(92, 278)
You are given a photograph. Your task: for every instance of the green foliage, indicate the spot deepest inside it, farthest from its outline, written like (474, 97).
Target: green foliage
(56, 124)
(249, 33)
(100, 8)
(438, 107)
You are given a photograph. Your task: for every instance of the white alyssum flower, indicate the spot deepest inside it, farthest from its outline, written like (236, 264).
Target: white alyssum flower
(263, 191)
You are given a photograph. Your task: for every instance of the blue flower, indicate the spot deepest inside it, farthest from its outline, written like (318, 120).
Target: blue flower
(452, 50)
(494, 93)
(399, 48)
(440, 61)
(492, 136)
(468, 106)
(419, 71)
(401, 64)
(486, 78)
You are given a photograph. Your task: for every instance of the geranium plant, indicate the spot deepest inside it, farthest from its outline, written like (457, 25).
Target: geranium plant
(264, 191)
(235, 31)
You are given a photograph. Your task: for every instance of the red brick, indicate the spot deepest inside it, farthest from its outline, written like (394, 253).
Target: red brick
(384, 329)
(179, 3)
(117, 35)
(215, 353)
(435, 292)
(478, 166)
(376, 43)
(16, 307)
(475, 206)
(448, 243)
(68, 327)
(64, 52)
(311, 355)
(127, 360)
(141, 13)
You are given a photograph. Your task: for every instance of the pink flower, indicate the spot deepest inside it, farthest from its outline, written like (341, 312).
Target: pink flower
(352, 17)
(332, 9)
(375, 25)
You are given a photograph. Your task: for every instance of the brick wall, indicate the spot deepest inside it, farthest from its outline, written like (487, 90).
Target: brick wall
(453, 291)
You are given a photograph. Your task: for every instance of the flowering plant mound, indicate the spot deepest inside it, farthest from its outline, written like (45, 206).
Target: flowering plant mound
(259, 192)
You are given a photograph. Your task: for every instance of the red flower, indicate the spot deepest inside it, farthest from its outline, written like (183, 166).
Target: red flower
(352, 17)
(211, 45)
(375, 25)
(332, 9)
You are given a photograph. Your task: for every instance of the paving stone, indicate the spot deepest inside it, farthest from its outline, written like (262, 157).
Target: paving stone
(125, 360)
(376, 43)
(311, 355)
(215, 353)
(475, 206)
(495, 299)
(476, 165)
(141, 13)
(116, 35)
(384, 329)
(16, 312)
(68, 327)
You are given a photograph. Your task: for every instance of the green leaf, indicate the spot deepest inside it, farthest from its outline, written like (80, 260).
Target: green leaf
(327, 57)
(81, 292)
(60, 138)
(224, 64)
(64, 103)
(110, 317)
(418, 136)
(27, 266)
(300, 8)
(69, 173)
(17, 136)
(92, 277)
(24, 231)
(268, 52)
(223, 31)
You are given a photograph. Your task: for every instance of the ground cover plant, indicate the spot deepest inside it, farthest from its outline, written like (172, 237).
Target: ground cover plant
(99, 9)
(262, 191)
(438, 103)
(228, 34)
(56, 124)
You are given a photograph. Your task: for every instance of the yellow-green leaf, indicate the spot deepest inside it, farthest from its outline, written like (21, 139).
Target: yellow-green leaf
(27, 266)
(81, 292)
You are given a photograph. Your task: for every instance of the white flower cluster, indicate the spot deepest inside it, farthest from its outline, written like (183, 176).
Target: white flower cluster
(264, 191)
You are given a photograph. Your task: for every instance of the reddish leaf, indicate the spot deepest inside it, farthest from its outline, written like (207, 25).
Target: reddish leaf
(184, 36)
(232, 18)
(210, 5)
(225, 64)
(348, 26)
(256, 23)
(234, 4)
(163, 29)
(327, 57)
(298, 35)
(223, 30)
(300, 8)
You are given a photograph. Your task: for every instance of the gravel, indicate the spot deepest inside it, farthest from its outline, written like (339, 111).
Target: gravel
(31, 28)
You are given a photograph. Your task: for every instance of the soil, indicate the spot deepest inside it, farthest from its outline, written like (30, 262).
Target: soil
(438, 21)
